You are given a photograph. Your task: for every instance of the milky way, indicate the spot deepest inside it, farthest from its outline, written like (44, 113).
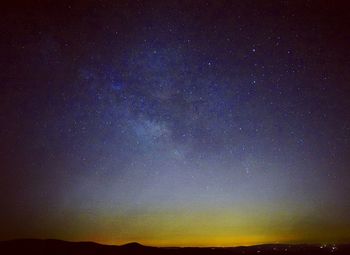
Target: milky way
(175, 123)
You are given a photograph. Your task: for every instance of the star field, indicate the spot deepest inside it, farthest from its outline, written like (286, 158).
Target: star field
(210, 123)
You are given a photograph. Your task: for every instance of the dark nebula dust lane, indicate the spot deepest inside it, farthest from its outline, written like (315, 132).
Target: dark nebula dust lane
(175, 123)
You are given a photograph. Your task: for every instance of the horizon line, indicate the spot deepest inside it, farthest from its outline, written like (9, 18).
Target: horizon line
(174, 246)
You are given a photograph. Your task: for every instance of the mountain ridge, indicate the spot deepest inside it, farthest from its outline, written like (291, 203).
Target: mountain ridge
(58, 247)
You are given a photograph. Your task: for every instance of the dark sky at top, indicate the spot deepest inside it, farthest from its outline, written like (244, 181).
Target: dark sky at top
(175, 122)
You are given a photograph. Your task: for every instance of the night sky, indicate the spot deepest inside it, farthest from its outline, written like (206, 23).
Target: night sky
(175, 123)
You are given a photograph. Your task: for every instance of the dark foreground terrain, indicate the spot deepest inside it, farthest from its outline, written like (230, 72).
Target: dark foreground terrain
(57, 247)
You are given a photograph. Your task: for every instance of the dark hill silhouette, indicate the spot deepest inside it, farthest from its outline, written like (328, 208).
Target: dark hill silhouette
(58, 247)
(133, 244)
